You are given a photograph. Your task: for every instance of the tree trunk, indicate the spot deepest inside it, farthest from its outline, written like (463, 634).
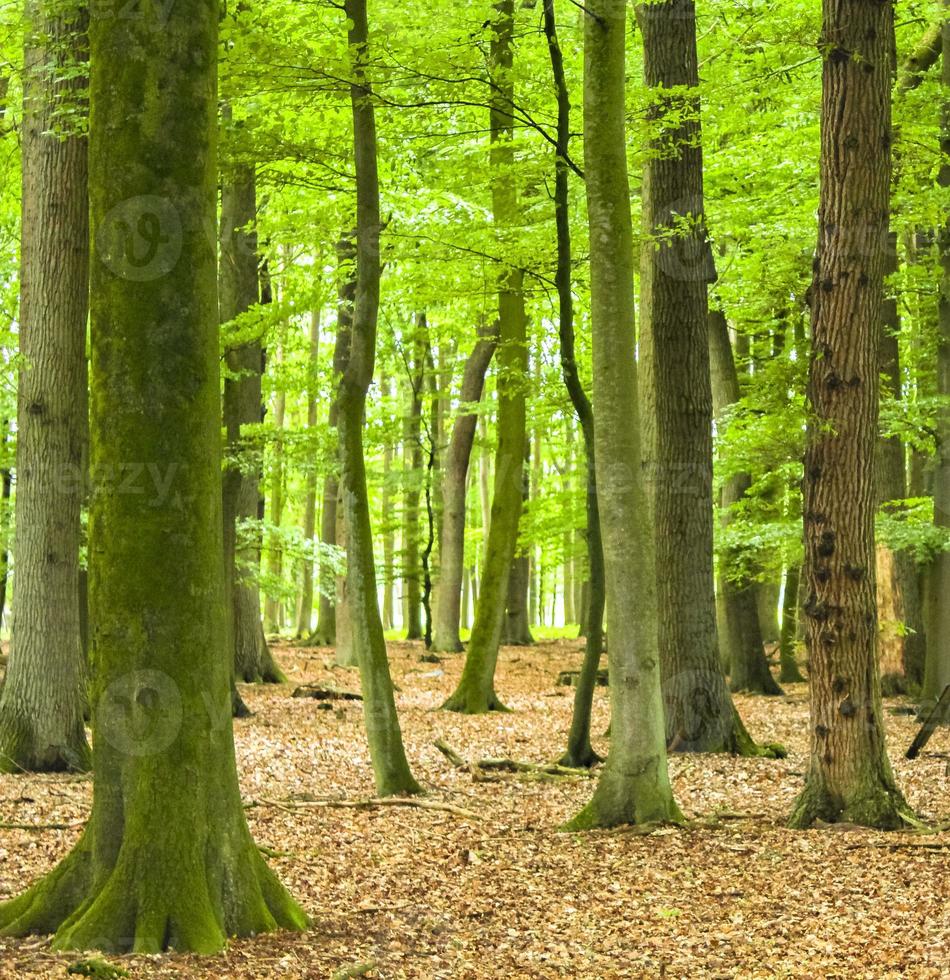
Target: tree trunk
(789, 672)
(455, 481)
(305, 611)
(675, 391)
(937, 673)
(273, 605)
(411, 569)
(166, 859)
(741, 636)
(382, 724)
(634, 786)
(44, 697)
(475, 693)
(388, 529)
(516, 629)
(579, 750)
(849, 777)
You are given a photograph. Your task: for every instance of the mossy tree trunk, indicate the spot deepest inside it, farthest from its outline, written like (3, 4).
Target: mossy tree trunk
(579, 752)
(937, 673)
(44, 698)
(634, 786)
(445, 635)
(675, 389)
(166, 859)
(849, 777)
(475, 693)
(741, 634)
(238, 291)
(379, 706)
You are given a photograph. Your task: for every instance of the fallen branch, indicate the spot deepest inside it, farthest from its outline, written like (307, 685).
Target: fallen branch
(356, 970)
(40, 826)
(402, 801)
(321, 693)
(508, 765)
(941, 710)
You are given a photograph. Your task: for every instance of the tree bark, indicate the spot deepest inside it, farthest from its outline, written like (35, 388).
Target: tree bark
(411, 569)
(166, 859)
(273, 605)
(516, 629)
(937, 673)
(388, 529)
(445, 636)
(44, 698)
(382, 724)
(475, 693)
(634, 786)
(789, 672)
(741, 635)
(305, 611)
(849, 777)
(675, 390)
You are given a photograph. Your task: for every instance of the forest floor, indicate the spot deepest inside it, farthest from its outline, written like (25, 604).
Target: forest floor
(495, 891)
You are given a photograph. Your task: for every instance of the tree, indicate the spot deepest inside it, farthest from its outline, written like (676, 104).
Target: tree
(634, 786)
(411, 567)
(238, 292)
(166, 859)
(475, 693)
(676, 396)
(849, 777)
(455, 482)
(382, 724)
(937, 673)
(44, 697)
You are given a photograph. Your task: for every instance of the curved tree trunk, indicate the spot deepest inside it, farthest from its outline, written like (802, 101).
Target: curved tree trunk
(634, 786)
(849, 776)
(445, 635)
(475, 693)
(741, 636)
(675, 391)
(579, 750)
(44, 698)
(166, 859)
(382, 724)
(937, 673)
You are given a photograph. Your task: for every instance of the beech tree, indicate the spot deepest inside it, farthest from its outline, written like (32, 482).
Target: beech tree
(849, 777)
(44, 697)
(166, 859)
(634, 786)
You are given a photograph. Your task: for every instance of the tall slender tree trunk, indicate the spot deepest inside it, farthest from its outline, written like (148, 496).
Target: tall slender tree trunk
(475, 693)
(238, 291)
(937, 673)
(675, 390)
(516, 629)
(44, 697)
(166, 859)
(382, 724)
(634, 786)
(579, 750)
(849, 777)
(411, 567)
(273, 605)
(741, 636)
(305, 611)
(789, 672)
(455, 481)
(388, 528)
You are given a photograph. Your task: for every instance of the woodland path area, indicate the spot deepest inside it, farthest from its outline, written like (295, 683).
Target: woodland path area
(408, 892)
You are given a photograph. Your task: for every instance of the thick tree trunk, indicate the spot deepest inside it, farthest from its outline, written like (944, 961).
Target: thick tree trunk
(382, 724)
(475, 693)
(166, 860)
(937, 673)
(305, 610)
(455, 481)
(634, 786)
(741, 633)
(238, 291)
(849, 777)
(44, 697)
(675, 390)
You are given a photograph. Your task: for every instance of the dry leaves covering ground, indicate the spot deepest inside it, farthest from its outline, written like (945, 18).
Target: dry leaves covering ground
(406, 892)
